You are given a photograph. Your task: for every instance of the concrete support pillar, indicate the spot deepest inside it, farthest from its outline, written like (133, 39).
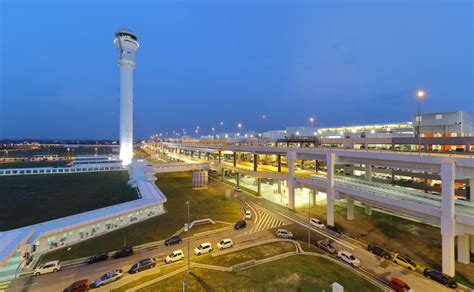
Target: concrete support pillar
(255, 162)
(279, 186)
(316, 162)
(464, 255)
(235, 159)
(259, 186)
(237, 178)
(313, 197)
(279, 162)
(222, 174)
(330, 191)
(448, 169)
(350, 209)
(219, 158)
(291, 156)
(368, 209)
(368, 172)
(472, 243)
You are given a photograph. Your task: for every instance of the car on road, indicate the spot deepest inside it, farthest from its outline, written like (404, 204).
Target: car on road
(283, 233)
(248, 215)
(225, 243)
(404, 261)
(143, 264)
(440, 278)
(98, 257)
(123, 252)
(348, 258)
(334, 230)
(203, 248)
(378, 251)
(398, 285)
(173, 240)
(316, 223)
(326, 246)
(175, 256)
(49, 267)
(107, 278)
(79, 286)
(240, 224)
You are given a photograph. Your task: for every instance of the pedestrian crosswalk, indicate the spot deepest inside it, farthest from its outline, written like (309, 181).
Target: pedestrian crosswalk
(4, 285)
(265, 221)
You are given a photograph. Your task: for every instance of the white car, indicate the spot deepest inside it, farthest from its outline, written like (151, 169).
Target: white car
(225, 243)
(49, 267)
(203, 248)
(316, 223)
(348, 258)
(248, 215)
(108, 277)
(283, 233)
(175, 256)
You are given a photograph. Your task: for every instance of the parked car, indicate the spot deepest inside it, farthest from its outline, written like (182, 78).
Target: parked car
(333, 229)
(248, 215)
(283, 233)
(240, 224)
(98, 257)
(326, 246)
(316, 223)
(379, 251)
(404, 261)
(144, 264)
(398, 285)
(49, 267)
(78, 286)
(173, 240)
(107, 278)
(123, 252)
(175, 256)
(203, 248)
(440, 278)
(225, 243)
(348, 258)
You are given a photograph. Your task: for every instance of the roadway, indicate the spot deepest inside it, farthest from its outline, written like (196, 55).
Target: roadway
(267, 217)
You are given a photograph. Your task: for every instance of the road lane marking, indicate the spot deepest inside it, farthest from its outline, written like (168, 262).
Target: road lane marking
(65, 277)
(100, 269)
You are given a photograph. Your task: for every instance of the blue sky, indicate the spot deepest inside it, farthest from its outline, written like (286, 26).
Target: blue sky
(202, 62)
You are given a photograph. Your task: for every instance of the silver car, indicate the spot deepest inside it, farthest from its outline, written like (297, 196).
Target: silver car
(108, 277)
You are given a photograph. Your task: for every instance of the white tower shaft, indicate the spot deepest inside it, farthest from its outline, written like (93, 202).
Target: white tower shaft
(127, 45)
(126, 113)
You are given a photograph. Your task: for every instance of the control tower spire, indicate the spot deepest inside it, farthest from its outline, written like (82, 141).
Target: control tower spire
(127, 45)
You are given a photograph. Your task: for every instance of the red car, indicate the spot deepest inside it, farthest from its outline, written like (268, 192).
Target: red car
(398, 285)
(78, 286)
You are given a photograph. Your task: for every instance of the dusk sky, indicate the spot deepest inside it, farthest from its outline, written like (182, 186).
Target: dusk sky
(202, 62)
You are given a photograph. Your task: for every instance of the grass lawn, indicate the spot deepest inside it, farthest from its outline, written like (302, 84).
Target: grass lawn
(177, 187)
(32, 199)
(420, 241)
(253, 253)
(295, 273)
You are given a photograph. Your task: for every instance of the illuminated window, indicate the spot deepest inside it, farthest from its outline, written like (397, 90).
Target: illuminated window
(439, 117)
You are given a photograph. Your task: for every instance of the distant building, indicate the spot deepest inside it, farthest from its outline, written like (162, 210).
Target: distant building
(301, 131)
(403, 129)
(444, 124)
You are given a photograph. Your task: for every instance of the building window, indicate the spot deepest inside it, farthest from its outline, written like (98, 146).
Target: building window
(454, 134)
(439, 117)
(418, 118)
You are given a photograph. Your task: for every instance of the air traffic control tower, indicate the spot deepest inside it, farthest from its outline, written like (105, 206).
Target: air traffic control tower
(127, 45)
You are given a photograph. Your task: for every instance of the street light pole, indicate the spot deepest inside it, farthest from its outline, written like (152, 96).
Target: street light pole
(309, 218)
(189, 242)
(419, 95)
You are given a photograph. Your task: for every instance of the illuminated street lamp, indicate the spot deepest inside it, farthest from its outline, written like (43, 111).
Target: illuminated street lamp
(213, 131)
(239, 125)
(311, 120)
(221, 124)
(420, 94)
